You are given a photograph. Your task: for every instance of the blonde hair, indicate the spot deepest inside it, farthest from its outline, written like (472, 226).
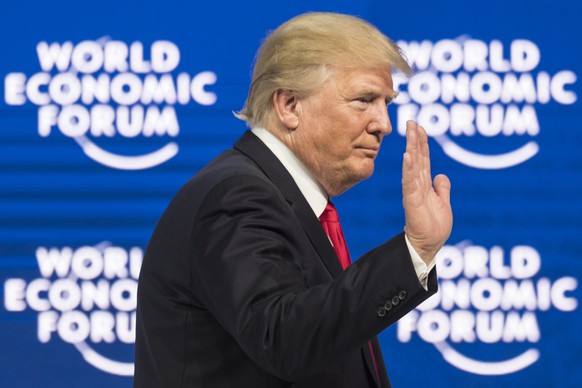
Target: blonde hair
(300, 53)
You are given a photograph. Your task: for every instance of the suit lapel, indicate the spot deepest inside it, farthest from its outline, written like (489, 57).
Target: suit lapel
(255, 149)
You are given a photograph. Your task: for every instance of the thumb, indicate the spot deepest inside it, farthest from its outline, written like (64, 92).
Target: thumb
(442, 186)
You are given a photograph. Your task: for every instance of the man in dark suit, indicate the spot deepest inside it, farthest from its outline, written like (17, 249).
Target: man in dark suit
(241, 286)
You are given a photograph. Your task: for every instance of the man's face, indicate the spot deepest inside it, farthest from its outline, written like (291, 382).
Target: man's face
(341, 127)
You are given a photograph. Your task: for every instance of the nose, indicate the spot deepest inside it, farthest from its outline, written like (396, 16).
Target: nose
(380, 121)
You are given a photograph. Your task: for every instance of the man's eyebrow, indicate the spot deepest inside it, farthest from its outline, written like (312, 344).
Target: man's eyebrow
(375, 93)
(368, 92)
(391, 98)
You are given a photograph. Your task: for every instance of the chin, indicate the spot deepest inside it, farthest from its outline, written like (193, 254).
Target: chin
(366, 169)
(363, 173)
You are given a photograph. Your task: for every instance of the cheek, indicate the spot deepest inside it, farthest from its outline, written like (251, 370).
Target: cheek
(334, 137)
(338, 147)
(325, 137)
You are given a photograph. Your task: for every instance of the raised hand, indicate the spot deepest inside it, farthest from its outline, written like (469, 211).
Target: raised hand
(427, 205)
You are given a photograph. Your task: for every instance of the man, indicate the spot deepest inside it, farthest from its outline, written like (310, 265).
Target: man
(241, 284)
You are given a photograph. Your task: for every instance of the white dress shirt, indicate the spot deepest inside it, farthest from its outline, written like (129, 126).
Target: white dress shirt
(316, 195)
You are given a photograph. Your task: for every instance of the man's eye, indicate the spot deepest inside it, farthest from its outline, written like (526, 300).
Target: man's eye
(365, 99)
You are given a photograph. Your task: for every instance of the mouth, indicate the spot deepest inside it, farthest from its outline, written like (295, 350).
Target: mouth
(374, 149)
(370, 151)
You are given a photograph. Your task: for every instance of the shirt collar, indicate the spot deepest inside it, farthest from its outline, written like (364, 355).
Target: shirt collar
(304, 179)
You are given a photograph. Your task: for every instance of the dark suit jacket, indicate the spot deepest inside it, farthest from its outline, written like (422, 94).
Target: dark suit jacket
(240, 287)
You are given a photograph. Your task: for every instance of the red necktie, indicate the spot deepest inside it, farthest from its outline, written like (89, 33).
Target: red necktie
(330, 222)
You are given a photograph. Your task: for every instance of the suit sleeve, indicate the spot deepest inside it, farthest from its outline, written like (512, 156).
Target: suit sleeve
(246, 271)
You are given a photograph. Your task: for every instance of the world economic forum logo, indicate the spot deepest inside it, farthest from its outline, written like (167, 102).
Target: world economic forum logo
(93, 91)
(86, 297)
(485, 318)
(481, 93)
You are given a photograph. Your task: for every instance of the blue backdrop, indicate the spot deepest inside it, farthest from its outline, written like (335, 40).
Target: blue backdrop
(109, 107)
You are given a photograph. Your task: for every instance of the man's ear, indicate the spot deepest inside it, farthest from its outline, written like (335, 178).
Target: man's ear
(285, 102)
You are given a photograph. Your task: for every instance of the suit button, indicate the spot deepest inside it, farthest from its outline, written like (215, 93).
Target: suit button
(381, 312)
(395, 301)
(388, 306)
(402, 295)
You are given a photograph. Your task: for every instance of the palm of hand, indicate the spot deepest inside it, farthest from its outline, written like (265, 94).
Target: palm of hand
(427, 206)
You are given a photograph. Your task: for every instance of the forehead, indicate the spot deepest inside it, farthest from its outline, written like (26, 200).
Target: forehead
(362, 80)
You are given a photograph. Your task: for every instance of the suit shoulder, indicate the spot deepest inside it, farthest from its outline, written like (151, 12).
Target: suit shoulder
(229, 163)
(230, 169)
(226, 167)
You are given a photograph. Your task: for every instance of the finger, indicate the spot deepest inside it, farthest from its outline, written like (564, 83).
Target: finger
(423, 142)
(442, 186)
(407, 170)
(411, 160)
(412, 143)
(425, 156)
